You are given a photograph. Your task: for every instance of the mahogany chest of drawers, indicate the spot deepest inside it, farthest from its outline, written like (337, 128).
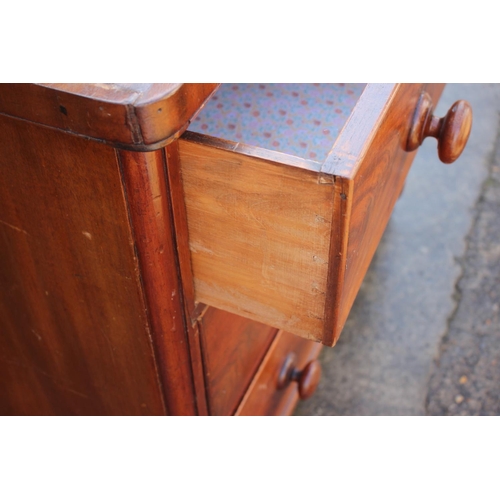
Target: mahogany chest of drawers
(185, 249)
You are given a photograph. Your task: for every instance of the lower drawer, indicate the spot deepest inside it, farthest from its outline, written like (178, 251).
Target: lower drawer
(269, 393)
(284, 235)
(233, 348)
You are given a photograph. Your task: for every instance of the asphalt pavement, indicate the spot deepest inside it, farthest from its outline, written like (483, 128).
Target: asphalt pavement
(423, 336)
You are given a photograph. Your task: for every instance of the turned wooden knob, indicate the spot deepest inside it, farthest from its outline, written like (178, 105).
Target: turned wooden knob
(451, 131)
(307, 378)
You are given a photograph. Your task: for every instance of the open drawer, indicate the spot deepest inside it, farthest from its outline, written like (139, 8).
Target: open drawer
(286, 205)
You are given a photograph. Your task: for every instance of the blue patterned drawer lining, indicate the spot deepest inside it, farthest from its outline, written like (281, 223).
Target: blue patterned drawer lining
(301, 119)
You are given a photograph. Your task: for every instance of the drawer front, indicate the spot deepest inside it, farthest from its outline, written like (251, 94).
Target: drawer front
(370, 164)
(265, 396)
(287, 241)
(233, 348)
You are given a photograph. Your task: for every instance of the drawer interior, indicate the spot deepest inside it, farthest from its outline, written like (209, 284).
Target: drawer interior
(302, 120)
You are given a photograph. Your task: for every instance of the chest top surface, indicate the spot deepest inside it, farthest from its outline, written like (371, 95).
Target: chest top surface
(139, 116)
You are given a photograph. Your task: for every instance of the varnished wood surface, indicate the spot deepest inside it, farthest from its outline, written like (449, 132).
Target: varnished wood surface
(259, 236)
(134, 116)
(452, 131)
(289, 245)
(120, 93)
(74, 334)
(263, 396)
(274, 238)
(192, 310)
(253, 151)
(233, 349)
(146, 188)
(375, 177)
(308, 379)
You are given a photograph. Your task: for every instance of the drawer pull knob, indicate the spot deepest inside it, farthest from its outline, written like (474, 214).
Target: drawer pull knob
(307, 378)
(451, 131)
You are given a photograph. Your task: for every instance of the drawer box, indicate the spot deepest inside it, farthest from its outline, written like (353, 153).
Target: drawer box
(286, 240)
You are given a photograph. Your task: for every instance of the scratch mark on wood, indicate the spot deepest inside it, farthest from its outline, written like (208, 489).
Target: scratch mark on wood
(38, 336)
(13, 227)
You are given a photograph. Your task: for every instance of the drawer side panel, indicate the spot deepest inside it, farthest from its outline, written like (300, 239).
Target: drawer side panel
(259, 237)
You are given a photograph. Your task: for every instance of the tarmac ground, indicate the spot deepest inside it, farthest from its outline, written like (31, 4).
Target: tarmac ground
(423, 337)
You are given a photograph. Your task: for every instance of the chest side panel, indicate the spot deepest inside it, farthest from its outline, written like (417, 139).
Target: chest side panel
(74, 331)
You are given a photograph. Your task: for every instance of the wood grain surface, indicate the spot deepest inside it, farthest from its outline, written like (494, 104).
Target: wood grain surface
(107, 257)
(176, 189)
(74, 330)
(146, 188)
(263, 396)
(252, 151)
(192, 309)
(259, 236)
(233, 349)
(278, 240)
(451, 131)
(134, 116)
(373, 164)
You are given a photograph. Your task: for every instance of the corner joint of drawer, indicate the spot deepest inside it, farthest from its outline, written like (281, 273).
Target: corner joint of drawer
(324, 178)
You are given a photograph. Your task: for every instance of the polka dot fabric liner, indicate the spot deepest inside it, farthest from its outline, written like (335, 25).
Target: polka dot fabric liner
(299, 119)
